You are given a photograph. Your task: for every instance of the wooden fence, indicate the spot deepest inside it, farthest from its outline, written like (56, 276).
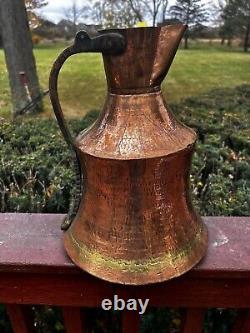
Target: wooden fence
(34, 269)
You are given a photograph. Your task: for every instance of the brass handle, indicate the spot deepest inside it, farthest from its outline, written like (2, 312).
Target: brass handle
(107, 43)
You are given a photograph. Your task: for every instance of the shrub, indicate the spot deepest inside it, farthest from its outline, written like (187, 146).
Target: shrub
(220, 176)
(36, 173)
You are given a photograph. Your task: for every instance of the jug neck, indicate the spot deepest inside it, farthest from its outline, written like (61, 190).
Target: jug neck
(146, 60)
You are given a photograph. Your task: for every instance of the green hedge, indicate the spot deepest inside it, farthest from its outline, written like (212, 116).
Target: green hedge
(36, 171)
(36, 174)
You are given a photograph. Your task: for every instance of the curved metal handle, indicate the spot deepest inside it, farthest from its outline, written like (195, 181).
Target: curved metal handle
(107, 43)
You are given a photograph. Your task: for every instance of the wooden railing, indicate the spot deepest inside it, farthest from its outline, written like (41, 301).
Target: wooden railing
(34, 269)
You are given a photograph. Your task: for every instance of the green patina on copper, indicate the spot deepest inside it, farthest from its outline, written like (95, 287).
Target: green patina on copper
(136, 266)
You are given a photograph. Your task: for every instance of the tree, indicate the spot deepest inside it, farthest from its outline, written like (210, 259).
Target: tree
(19, 57)
(237, 12)
(120, 13)
(155, 7)
(227, 24)
(164, 10)
(149, 9)
(190, 12)
(75, 12)
(226, 29)
(97, 10)
(31, 6)
(115, 13)
(137, 8)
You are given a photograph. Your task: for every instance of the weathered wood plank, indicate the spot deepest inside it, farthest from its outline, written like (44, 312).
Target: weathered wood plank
(33, 243)
(242, 322)
(130, 322)
(74, 319)
(86, 291)
(21, 318)
(193, 320)
(33, 262)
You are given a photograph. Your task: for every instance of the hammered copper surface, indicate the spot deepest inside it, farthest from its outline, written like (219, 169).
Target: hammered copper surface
(136, 223)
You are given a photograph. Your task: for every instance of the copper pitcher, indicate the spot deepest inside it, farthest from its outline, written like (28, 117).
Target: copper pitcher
(133, 221)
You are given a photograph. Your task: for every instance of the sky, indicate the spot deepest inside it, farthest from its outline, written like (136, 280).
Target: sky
(55, 9)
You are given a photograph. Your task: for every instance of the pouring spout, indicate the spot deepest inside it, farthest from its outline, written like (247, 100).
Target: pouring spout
(146, 59)
(168, 41)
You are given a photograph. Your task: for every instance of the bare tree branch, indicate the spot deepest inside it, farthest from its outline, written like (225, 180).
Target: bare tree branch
(75, 12)
(136, 9)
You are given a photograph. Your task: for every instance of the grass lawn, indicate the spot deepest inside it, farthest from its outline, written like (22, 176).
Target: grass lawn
(82, 82)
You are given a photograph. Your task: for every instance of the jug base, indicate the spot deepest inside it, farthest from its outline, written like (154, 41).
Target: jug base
(131, 272)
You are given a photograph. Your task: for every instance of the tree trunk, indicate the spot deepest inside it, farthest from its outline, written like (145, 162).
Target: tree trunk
(19, 56)
(154, 20)
(186, 41)
(154, 12)
(229, 42)
(222, 42)
(246, 39)
(164, 11)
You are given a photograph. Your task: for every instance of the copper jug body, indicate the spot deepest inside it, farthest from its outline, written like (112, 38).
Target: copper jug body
(135, 223)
